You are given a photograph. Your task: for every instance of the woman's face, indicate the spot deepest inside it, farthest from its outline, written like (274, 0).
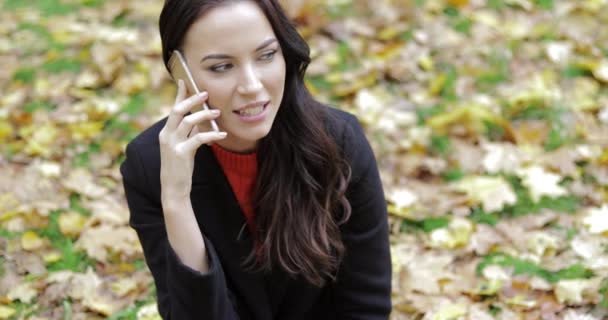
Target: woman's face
(235, 56)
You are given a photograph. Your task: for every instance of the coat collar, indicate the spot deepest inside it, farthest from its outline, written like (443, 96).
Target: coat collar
(222, 221)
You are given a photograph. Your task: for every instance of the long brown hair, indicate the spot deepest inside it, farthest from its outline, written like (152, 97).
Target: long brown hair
(299, 197)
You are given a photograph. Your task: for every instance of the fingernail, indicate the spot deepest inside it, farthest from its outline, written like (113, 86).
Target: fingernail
(202, 94)
(215, 111)
(222, 134)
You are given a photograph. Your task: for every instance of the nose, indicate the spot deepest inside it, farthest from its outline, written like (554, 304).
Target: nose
(251, 82)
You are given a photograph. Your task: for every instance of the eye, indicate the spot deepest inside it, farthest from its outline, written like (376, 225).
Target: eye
(221, 67)
(268, 55)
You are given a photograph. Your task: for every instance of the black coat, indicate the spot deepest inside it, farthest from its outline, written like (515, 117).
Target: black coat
(227, 291)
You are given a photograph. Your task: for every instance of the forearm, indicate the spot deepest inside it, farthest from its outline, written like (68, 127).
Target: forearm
(184, 235)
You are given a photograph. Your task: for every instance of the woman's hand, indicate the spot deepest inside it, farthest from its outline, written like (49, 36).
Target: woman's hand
(179, 139)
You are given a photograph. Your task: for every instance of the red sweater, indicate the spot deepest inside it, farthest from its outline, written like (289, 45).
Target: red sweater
(241, 171)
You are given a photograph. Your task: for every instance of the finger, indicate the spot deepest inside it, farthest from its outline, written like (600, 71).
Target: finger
(194, 131)
(181, 91)
(190, 121)
(182, 108)
(189, 146)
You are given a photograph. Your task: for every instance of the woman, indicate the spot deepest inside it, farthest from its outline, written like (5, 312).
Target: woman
(281, 215)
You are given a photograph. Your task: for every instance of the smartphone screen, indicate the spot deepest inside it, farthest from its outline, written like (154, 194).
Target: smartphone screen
(179, 70)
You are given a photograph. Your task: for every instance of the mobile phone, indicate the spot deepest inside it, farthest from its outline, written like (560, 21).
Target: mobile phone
(179, 70)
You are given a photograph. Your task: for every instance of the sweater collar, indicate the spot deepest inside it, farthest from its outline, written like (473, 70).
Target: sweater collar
(243, 164)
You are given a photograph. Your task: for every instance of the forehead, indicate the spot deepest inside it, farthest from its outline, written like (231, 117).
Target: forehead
(232, 26)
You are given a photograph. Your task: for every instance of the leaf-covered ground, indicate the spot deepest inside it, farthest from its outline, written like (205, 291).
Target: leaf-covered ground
(489, 119)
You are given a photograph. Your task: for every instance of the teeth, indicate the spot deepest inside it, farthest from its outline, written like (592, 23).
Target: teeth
(252, 111)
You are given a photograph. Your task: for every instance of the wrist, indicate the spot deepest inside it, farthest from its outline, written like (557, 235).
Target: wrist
(175, 203)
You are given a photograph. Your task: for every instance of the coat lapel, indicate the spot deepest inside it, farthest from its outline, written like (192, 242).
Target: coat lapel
(221, 219)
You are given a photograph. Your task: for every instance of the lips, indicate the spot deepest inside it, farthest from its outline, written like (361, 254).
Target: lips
(252, 109)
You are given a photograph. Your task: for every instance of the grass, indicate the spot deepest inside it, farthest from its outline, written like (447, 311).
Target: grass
(426, 225)
(521, 266)
(71, 259)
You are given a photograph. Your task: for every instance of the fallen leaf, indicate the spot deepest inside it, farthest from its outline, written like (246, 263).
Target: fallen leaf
(597, 220)
(24, 292)
(540, 182)
(492, 192)
(30, 241)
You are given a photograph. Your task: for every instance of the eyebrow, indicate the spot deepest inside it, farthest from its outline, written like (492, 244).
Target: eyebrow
(225, 56)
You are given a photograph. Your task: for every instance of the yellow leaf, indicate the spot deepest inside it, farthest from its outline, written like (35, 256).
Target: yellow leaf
(123, 286)
(601, 71)
(86, 130)
(98, 305)
(6, 131)
(470, 115)
(389, 32)
(6, 312)
(488, 288)
(426, 63)
(521, 301)
(450, 311)
(52, 256)
(437, 84)
(458, 3)
(533, 132)
(41, 140)
(71, 223)
(30, 241)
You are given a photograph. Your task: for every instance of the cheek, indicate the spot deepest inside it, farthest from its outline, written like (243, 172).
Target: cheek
(218, 93)
(276, 76)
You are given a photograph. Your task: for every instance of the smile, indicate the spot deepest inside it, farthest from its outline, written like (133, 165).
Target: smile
(252, 111)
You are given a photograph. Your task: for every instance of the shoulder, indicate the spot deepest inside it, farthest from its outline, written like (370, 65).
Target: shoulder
(143, 155)
(342, 125)
(350, 137)
(148, 138)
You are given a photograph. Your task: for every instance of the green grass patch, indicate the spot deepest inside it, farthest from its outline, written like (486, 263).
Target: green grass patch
(480, 216)
(544, 4)
(448, 90)
(320, 83)
(493, 131)
(462, 25)
(23, 310)
(71, 259)
(135, 105)
(425, 113)
(62, 65)
(496, 4)
(76, 205)
(46, 7)
(427, 225)
(93, 3)
(498, 72)
(440, 144)
(38, 105)
(24, 75)
(556, 138)
(573, 71)
(521, 266)
(534, 111)
(604, 293)
(9, 234)
(82, 159)
(526, 205)
(453, 175)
